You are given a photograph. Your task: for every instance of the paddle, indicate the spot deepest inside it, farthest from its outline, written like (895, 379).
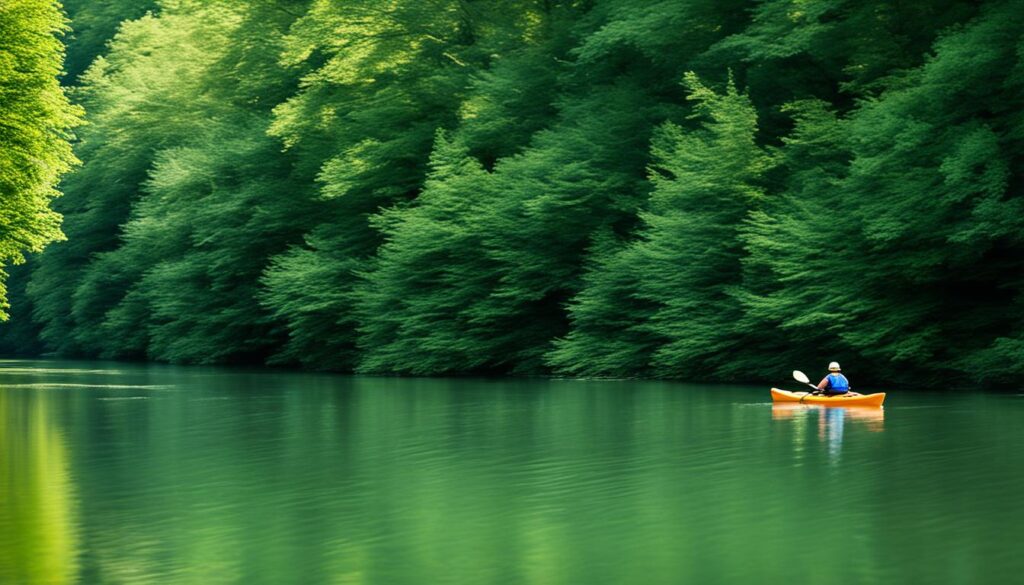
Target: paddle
(802, 377)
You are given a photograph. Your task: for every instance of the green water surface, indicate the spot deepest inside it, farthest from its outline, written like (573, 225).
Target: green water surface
(129, 474)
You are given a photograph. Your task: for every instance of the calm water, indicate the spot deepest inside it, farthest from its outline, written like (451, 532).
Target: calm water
(115, 474)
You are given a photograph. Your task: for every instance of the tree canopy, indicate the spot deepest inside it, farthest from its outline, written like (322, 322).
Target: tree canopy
(696, 189)
(36, 119)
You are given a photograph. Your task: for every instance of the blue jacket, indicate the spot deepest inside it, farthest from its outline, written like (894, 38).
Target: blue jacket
(838, 383)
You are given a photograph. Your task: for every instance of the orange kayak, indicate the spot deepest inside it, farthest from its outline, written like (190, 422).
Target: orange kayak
(856, 400)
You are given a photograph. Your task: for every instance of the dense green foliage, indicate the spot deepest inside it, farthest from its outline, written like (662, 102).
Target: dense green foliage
(94, 23)
(685, 261)
(35, 123)
(698, 189)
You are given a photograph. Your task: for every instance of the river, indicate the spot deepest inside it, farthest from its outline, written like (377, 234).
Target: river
(147, 474)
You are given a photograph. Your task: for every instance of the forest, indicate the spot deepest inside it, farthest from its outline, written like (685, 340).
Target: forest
(703, 190)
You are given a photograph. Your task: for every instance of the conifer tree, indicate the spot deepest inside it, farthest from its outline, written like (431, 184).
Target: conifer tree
(415, 306)
(680, 273)
(582, 176)
(787, 241)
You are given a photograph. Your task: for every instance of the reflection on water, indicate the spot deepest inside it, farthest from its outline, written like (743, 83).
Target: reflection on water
(181, 476)
(830, 420)
(38, 524)
(872, 418)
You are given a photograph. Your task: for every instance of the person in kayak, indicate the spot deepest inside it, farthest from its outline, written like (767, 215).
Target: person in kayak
(834, 383)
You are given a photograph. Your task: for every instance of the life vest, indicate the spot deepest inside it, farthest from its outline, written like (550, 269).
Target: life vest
(838, 383)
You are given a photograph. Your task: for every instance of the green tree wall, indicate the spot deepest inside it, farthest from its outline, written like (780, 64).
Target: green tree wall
(524, 186)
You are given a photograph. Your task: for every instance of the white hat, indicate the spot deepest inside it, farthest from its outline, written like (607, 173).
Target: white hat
(833, 366)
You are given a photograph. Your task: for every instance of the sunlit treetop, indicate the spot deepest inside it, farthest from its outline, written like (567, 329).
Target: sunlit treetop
(36, 119)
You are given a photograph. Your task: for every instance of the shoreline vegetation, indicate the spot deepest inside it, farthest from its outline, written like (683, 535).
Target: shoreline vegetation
(700, 190)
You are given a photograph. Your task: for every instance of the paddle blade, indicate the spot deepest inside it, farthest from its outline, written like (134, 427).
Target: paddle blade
(801, 377)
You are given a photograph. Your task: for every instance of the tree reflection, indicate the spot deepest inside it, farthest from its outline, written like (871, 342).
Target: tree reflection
(38, 535)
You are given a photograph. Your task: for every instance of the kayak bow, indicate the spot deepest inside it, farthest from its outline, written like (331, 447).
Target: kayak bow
(841, 400)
